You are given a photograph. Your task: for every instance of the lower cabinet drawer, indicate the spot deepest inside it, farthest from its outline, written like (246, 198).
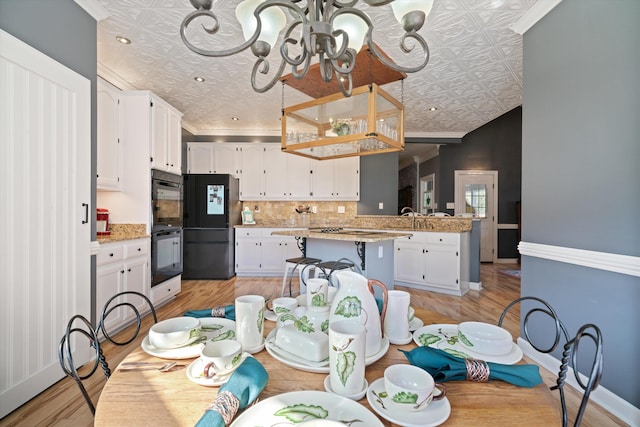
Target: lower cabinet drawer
(166, 290)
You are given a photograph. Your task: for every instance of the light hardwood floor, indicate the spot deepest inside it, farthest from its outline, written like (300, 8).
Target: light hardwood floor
(62, 404)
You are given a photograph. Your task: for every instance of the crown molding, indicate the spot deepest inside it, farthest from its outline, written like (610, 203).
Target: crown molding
(93, 8)
(434, 134)
(113, 78)
(533, 15)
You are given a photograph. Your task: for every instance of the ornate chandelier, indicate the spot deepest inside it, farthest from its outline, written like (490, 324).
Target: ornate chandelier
(331, 30)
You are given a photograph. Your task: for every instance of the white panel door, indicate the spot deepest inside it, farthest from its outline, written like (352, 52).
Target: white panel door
(476, 193)
(45, 135)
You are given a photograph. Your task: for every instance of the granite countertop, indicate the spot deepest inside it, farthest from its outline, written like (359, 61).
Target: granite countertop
(344, 235)
(120, 232)
(389, 223)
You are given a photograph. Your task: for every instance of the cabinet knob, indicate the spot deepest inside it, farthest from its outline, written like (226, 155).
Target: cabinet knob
(111, 254)
(122, 271)
(129, 270)
(139, 249)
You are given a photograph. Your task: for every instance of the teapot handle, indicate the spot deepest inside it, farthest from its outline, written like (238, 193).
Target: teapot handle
(385, 295)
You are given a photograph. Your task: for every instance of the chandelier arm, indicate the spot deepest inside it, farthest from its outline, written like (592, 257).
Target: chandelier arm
(345, 92)
(262, 65)
(211, 31)
(300, 74)
(349, 58)
(405, 48)
(325, 68)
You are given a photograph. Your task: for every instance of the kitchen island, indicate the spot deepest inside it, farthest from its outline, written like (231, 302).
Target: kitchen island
(372, 251)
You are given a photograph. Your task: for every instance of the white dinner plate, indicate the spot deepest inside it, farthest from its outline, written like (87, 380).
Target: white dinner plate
(214, 328)
(312, 366)
(447, 340)
(297, 406)
(433, 415)
(195, 372)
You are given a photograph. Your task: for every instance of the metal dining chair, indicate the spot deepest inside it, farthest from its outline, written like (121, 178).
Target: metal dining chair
(121, 301)
(75, 334)
(570, 359)
(569, 354)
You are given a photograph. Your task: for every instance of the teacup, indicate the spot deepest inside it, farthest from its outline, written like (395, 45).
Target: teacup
(219, 356)
(411, 388)
(317, 292)
(284, 305)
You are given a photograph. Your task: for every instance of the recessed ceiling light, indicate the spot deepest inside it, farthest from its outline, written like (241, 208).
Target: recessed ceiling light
(235, 119)
(199, 79)
(123, 40)
(433, 109)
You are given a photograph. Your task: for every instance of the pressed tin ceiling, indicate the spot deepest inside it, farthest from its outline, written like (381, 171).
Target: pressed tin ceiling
(474, 74)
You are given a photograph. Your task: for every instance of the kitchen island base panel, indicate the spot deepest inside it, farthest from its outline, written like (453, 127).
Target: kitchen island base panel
(378, 257)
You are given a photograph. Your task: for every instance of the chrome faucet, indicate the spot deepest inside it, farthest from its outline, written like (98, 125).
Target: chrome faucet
(413, 215)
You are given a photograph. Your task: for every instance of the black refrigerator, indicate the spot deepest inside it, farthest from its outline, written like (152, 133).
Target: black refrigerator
(211, 210)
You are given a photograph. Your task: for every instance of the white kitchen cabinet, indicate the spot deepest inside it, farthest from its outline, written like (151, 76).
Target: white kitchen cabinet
(336, 179)
(166, 136)
(213, 157)
(166, 290)
(200, 157)
(433, 261)
(109, 152)
(257, 252)
(275, 173)
(298, 177)
(122, 266)
(252, 175)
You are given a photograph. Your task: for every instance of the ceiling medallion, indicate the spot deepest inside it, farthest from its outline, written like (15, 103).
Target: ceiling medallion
(331, 30)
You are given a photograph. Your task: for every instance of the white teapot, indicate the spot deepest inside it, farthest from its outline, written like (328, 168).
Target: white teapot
(355, 301)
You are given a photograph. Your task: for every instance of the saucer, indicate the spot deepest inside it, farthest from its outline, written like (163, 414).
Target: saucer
(270, 315)
(415, 324)
(433, 415)
(194, 373)
(257, 348)
(403, 341)
(359, 395)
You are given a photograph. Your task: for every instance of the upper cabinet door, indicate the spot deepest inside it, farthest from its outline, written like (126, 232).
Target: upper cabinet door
(159, 137)
(200, 157)
(347, 178)
(226, 159)
(252, 173)
(174, 141)
(108, 132)
(298, 177)
(275, 166)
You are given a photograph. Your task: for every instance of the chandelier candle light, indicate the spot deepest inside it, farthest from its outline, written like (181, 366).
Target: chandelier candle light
(331, 30)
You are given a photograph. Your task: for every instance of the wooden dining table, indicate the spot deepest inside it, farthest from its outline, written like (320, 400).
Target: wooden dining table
(136, 398)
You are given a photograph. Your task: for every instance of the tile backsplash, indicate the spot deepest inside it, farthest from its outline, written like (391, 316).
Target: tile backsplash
(285, 211)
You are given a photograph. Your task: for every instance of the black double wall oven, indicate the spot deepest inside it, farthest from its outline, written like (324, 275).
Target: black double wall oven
(167, 199)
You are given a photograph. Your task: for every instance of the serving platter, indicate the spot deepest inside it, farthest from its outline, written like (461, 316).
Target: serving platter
(445, 337)
(314, 367)
(214, 328)
(290, 409)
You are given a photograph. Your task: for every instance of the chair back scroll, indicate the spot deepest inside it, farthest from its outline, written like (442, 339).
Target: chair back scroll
(114, 303)
(569, 354)
(65, 356)
(570, 359)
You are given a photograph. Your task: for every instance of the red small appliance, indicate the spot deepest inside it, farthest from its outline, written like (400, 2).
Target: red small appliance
(102, 222)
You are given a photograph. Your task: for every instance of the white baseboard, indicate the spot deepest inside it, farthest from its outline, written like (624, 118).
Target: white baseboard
(505, 261)
(603, 397)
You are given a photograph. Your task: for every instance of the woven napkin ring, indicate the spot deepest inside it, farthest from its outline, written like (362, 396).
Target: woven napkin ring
(477, 370)
(226, 404)
(218, 311)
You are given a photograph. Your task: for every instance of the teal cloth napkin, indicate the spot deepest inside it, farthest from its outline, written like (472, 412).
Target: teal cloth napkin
(444, 367)
(229, 312)
(246, 383)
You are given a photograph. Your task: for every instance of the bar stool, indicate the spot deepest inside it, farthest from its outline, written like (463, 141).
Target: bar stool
(326, 268)
(293, 264)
